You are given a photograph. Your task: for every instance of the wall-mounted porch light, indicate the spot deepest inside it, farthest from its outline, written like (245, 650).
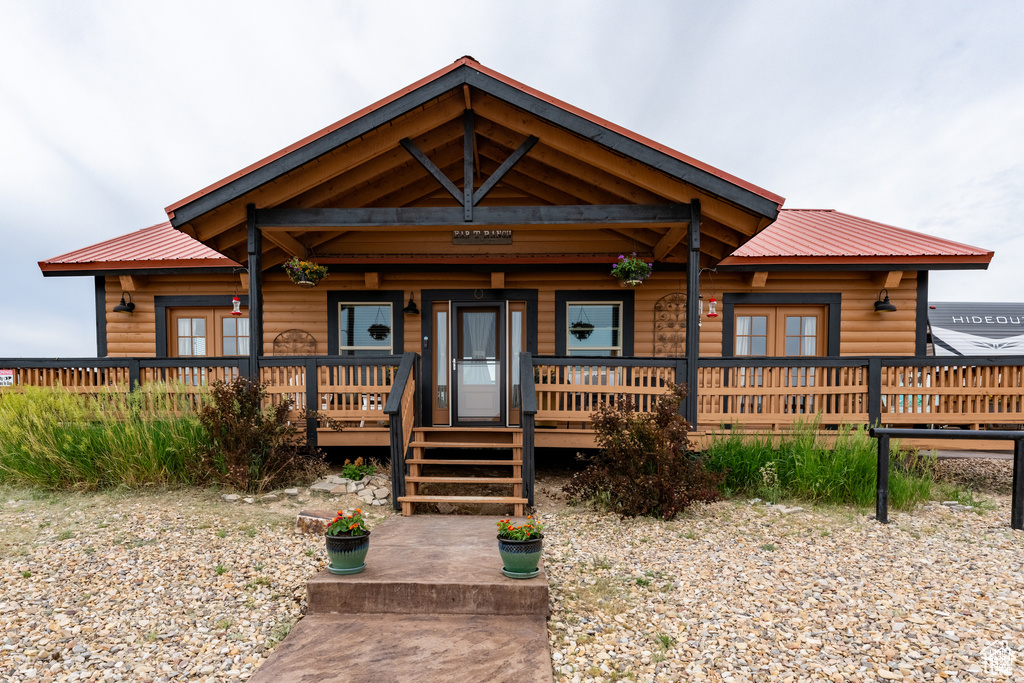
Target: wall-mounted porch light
(884, 305)
(125, 307)
(411, 308)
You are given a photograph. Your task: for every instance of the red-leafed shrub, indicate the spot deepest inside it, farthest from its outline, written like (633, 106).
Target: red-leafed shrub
(645, 465)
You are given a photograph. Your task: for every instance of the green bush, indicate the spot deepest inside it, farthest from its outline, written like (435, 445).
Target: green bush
(806, 466)
(645, 465)
(252, 448)
(53, 438)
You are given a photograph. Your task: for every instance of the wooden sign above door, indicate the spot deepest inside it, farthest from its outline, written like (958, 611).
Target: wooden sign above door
(481, 237)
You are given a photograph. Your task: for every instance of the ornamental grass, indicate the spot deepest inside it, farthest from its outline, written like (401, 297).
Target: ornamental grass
(823, 466)
(53, 438)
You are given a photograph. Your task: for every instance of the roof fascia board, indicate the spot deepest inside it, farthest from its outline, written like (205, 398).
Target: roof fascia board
(623, 145)
(315, 148)
(869, 266)
(114, 272)
(465, 74)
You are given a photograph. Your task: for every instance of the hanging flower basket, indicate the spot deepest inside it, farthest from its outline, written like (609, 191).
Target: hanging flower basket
(632, 270)
(379, 331)
(304, 273)
(581, 330)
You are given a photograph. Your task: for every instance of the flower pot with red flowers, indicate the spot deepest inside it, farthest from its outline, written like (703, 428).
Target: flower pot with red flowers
(348, 540)
(520, 548)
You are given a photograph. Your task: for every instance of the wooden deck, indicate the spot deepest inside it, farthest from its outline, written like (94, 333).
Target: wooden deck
(374, 399)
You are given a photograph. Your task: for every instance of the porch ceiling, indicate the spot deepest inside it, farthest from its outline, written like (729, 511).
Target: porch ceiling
(568, 165)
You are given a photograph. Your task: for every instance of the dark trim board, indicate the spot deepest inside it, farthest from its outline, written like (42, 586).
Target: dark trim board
(872, 267)
(623, 144)
(316, 148)
(185, 270)
(625, 296)
(921, 340)
(433, 89)
(730, 301)
(405, 268)
(395, 297)
(427, 299)
(162, 303)
(101, 316)
(386, 217)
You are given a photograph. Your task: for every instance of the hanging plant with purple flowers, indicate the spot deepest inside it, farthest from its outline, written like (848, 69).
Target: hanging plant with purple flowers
(632, 270)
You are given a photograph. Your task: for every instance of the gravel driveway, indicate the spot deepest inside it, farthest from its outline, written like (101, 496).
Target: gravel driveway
(183, 586)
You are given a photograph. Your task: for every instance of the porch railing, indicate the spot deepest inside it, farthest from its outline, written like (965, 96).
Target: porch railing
(401, 411)
(776, 392)
(350, 389)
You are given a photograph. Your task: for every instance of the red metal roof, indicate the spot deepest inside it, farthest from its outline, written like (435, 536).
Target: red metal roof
(826, 236)
(158, 246)
(469, 61)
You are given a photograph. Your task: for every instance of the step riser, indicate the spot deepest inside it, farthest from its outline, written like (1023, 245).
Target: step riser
(432, 439)
(423, 598)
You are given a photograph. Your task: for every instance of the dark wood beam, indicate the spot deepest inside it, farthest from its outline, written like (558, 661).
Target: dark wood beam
(585, 214)
(505, 167)
(467, 165)
(396, 160)
(255, 263)
(585, 192)
(433, 170)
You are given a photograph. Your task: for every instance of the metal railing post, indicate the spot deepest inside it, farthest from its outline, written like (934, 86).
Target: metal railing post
(1017, 501)
(882, 481)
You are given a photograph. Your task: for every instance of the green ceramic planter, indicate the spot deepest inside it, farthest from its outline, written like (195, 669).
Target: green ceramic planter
(520, 558)
(347, 553)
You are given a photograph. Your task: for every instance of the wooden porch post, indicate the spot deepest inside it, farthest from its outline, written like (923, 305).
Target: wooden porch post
(692, 313)
(255, 293)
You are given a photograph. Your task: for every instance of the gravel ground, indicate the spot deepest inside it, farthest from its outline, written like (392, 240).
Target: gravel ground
(746, 592)
(184, 586)
(148, 587)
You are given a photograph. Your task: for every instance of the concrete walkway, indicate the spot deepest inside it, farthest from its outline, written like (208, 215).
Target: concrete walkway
(432, 605)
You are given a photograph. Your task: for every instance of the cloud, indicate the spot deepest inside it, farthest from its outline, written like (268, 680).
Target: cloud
(110, 111)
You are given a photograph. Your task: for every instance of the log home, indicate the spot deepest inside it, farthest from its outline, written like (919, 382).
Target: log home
(469, 224)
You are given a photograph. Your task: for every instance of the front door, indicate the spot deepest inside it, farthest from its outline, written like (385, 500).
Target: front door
(478, 363)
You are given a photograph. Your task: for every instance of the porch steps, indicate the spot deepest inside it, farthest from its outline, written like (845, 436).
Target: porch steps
(425, 443)
(432, 606)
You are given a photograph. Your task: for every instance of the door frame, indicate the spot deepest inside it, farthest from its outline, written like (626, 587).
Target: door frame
(430, 296)
(501, 321)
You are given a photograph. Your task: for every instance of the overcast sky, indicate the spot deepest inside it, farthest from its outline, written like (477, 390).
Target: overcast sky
(908, 113)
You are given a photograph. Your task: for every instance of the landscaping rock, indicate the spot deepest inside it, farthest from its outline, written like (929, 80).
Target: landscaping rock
(230, 497)
(381, 493)
(291, 492)
(313, 521)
